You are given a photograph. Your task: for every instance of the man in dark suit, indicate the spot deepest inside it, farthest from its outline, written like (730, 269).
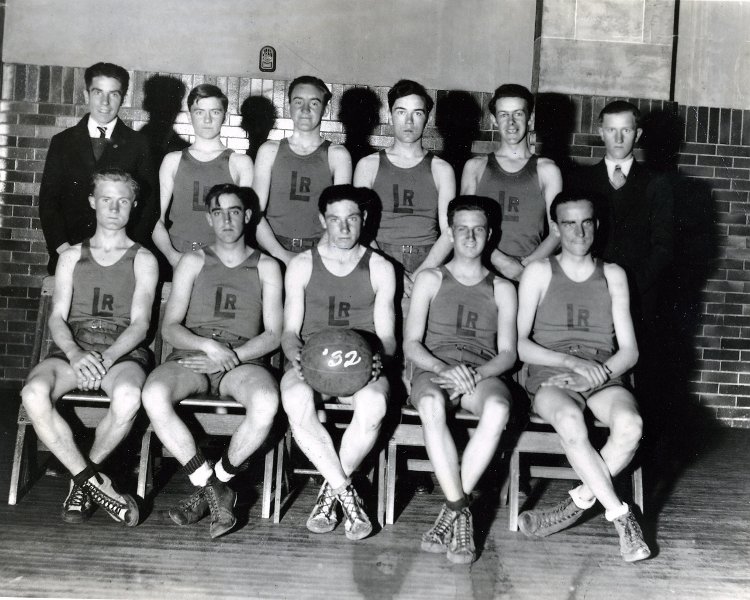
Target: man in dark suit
(635, 206)
(99, 141)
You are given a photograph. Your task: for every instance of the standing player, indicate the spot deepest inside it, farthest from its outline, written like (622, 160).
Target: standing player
(104, 290)
(223, 317)
(290, 174)
(99, 141)
(460, 337)
(522, 183)
(339, 283)
(576, 334)
(413, 184)
(185, 177)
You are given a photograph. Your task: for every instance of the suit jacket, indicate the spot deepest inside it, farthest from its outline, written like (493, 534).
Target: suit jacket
(636, 225)
(64, 209)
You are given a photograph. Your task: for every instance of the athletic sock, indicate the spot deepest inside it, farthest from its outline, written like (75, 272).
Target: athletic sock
(620, 511)
(84, 475)
(342, 488)
(224, 469)
(575, 494)
(198, 470)
(458, 505)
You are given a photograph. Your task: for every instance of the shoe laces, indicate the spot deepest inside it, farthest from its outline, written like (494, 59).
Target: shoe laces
(213, 501)
(352, 504)
(325, 504)
(629, 528)
(444, 522)
(192, 501)
(559, 512)
(77, 497)
(462, 529)
(107, 502)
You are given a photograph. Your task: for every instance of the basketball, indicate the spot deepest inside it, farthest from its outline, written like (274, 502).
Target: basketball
(337, 362)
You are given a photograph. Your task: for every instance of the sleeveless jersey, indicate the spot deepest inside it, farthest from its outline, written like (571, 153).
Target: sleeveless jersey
(524, 212)
(463, 315)
(296, 183)
(410, 202)
(343, 302)
(575, 313)
(102, 293)
(226, 299)
(193, 180)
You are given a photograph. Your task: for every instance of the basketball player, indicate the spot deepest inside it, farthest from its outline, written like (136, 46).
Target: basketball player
(101, 306)
(186, 176)
(522, 183)
(291, 173)
(339, 283)
(576, 334)
(460, 337)
(413, 184)
(223, 317)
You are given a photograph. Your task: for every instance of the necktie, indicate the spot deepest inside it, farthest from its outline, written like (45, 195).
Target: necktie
(98, 144)
(618, 178)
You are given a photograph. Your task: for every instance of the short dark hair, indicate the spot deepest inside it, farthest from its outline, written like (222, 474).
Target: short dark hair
(468, 202)
(512, 90)
(620, 106)
(407, 87)
(310, 80)
(567, 198)
(207, 90)
(336, 193)
(247, 195)
(105, 69)
(113, 174)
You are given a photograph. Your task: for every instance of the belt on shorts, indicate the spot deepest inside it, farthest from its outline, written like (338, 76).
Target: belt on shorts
(220, 335)
(297, 242)
(406, 248)
(188, 246)
(96, 325)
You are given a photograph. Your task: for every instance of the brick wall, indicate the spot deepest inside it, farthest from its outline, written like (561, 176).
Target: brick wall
(710, 289)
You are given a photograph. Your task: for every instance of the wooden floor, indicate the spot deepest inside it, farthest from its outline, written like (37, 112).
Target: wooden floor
(700, 537)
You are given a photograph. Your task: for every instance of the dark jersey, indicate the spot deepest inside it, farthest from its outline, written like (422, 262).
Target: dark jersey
(522, 205)
(343, 302)
(410, 202)
(192, 181)
(296, 183)
(575, 314)
(226, 301)
(463, 315)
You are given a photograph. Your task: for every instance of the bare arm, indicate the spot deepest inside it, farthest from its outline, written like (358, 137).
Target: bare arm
(262, 185)
(241, 169)
(445, 182)
(550, 181)
(472, 173)
(161, 238)
(340, 164)
(366, 171)
(268, 341)
(295, 281)
(627, 348)
(507, 308)
(383, 279)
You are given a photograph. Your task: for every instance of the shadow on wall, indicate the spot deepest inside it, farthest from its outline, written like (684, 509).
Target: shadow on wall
(258, 118)
(457, 117)
(360, 114)
(162, 100)
(554, 123)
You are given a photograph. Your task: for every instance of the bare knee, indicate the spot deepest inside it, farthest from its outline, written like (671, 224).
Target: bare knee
(35, 397)
(156, 398)
(370, 409)
(264, 406)
(494, 416)
(627, 429)
(571, 426)
(126, 400)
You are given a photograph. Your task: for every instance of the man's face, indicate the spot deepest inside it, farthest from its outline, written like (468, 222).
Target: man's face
(511, 119)
(306, 107)
(619, 132)
(104, 98)
(207, 116)
(576, 226)
(112, 201)
(469, 233)
(228, 217)
(409, 117)
(343, 222)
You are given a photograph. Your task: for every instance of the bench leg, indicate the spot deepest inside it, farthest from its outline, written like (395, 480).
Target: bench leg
(390, 486)
(20, 476)
(381, 486)
(279, 479)
(268, 482)
(515, 475)
(145, 471)
(638, 487)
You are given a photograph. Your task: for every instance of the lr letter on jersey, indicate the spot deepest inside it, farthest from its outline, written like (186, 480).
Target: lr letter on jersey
(300, 188)
(224, 304)
(103, 304)
(338, 313)
(466, 324)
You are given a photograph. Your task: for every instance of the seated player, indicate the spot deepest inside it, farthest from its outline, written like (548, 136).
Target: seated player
(186, 176)
(223, 317)
(576, 334)
(339, 283)
(291, 173)
(414, 186)
(460, 337)
(101, 307)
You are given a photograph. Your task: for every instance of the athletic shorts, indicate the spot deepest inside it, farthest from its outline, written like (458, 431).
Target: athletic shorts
(214, 379)
(95, 338)
(539, 374)
(453, 355)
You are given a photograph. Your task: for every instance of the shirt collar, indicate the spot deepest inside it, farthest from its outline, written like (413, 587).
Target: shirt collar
(624, 166)
(94, 132)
